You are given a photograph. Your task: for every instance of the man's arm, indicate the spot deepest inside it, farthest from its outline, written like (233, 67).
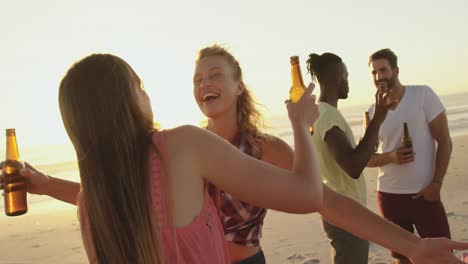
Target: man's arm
(398, 156)
(440, 132)
(352, 160)
(377, 159)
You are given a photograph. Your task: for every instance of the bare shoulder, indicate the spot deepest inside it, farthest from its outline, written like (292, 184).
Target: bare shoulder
(272, 144)
(182, 131)
(183, 134)
(189, 137)
(277, 152)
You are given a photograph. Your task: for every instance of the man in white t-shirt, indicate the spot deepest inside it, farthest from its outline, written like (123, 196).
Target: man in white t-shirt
(410, 179)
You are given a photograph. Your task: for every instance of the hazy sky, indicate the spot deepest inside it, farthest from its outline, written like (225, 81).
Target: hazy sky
(160, 39)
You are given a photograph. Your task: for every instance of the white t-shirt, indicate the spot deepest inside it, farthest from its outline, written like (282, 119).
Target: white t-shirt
(418, 107)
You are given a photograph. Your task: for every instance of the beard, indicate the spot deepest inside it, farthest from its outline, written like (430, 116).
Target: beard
(386, 84)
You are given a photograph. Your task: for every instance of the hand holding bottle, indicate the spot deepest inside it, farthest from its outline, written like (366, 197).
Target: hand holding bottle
(402, 155)
(14, 185)
(297, 84)
(36, 181)
(305, 110)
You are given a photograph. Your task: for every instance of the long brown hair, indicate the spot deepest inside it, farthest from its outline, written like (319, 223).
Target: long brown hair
(112, 139)
(249, 118)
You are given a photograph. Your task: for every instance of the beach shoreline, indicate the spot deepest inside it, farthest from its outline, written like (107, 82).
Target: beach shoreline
(49, 232)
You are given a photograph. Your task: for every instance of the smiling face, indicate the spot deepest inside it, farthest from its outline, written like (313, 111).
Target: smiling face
(215, 88)
(385, 77)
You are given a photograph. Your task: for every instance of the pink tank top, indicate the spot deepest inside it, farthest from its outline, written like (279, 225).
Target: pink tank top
(202, 241)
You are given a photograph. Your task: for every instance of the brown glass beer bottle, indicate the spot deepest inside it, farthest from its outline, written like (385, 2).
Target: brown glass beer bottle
(407, 142)
(14, 185)
(297, 83)
(366, 116)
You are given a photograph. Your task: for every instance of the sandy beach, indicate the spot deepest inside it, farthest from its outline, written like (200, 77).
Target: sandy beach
(49, 232)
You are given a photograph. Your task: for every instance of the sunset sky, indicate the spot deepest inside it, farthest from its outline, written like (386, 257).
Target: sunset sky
(160, 39)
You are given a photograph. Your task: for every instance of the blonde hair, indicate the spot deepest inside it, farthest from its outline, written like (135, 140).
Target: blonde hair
(249, 118)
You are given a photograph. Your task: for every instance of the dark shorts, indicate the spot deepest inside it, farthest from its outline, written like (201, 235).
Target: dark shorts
(428, 217)
(258, 258)
(346, 248)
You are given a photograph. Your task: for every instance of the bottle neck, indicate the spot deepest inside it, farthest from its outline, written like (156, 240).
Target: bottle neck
(367, 119)
(296, 76)
(12, 148)
(406, 135)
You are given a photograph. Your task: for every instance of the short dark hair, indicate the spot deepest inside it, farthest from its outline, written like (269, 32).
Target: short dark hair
(387, 54)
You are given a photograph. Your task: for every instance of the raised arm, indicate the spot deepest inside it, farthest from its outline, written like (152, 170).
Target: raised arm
(354, 160)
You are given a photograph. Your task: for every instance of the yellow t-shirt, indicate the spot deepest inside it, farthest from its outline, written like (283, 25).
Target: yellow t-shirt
(332, 174)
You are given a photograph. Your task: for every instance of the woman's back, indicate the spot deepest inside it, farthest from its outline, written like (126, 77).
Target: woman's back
(199, 233)
(194, 219)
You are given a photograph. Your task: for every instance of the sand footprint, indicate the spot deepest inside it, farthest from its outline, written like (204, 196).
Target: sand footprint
(311, 261)
(296, 256)
(76, 249)
(380, 261)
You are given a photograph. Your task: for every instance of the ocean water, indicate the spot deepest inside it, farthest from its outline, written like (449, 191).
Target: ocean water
(60, 160)
(456, 109)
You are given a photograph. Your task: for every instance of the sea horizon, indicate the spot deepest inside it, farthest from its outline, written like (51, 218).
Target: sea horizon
(59, 160)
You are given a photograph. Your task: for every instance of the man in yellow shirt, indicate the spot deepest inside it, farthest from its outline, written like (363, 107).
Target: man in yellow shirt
(341, 161)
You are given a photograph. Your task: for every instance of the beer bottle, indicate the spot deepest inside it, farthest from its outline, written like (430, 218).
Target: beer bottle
(297, 86)
(366, 114)
(407, 143)
(367, 118)
(14, 185)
